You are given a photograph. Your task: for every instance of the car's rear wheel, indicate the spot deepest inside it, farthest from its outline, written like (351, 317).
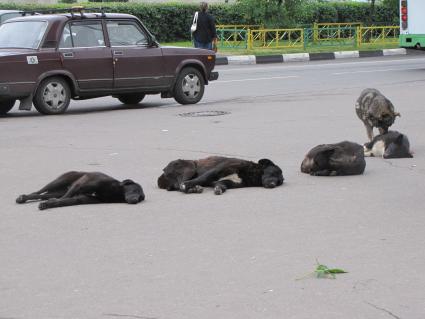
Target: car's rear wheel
(190, 86)
(6, 106)
(131, 99)
(53, 96)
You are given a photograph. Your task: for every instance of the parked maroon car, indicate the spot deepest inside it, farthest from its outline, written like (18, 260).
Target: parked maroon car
(47, 60)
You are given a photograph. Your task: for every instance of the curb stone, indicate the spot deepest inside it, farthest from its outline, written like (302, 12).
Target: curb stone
(301, 57)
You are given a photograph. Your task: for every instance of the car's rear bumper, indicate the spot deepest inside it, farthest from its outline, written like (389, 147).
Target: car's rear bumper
(4, 90)
(15, 89)
(213, 76)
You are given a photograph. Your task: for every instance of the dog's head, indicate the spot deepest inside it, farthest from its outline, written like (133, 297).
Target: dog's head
(272, 174)
(398, 148)
(133, 192)
(317, 159)
(382, 114)
(174, 173)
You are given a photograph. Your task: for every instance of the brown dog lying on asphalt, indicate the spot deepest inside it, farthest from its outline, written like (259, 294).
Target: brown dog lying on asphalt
(78, 188)
(222, 173)
(375, 110)
(345, 158)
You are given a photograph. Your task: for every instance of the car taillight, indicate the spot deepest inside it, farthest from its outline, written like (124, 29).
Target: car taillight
(403, 13)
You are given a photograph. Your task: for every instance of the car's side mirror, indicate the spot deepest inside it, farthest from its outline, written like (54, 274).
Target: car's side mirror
(154, 41)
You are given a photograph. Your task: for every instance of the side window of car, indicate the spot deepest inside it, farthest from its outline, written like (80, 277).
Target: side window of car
(87, 34)
(66, 41)
(125, 33)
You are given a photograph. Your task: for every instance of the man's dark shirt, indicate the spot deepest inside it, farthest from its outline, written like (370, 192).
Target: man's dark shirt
(205, 30)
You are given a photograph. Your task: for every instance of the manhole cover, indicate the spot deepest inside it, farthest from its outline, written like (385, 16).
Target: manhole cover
(204, 113)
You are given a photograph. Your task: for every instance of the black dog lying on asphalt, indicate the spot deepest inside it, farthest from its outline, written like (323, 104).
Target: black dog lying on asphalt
(78, 188)
(390, 145)
(222, 173)
(345, 158)
(375, 110)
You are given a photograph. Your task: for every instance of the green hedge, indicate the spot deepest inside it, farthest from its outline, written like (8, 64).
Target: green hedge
(171, 22)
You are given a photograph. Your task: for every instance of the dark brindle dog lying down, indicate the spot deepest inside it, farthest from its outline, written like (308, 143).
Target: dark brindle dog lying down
(345, 158)
(78, 188)
(222, 173)
(390, 145)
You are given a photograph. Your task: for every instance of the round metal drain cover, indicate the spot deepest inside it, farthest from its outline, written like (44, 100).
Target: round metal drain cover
(204, 113)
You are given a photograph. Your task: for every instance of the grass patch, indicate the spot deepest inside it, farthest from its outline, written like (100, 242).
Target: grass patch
(323, 271)
(271, 51)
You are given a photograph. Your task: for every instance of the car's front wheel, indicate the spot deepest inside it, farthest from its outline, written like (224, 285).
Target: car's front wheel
(53, 96)
(131, 99)
(189, 87)
(6, 106)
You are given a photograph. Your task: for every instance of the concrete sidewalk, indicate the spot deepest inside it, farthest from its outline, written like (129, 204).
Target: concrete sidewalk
(302, 57)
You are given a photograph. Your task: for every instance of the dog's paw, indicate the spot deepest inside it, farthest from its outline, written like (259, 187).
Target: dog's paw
(21, 199)
(218, 190)
(183, 187)
(195, 190)
(367, 151)
(43, 205)
(47, 204)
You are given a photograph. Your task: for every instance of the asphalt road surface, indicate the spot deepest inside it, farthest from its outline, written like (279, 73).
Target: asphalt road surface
(238, 255)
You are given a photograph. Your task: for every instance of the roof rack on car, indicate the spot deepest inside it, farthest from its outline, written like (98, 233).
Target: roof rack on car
(73, 10)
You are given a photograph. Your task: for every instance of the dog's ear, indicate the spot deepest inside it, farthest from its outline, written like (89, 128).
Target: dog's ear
(329, 152)
(322, 157)
(399, 139)
(264, 162)
(127, 182)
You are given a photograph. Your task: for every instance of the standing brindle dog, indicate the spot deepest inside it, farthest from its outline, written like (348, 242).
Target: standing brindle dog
(78, 188)
(375, 110)
(222, 173)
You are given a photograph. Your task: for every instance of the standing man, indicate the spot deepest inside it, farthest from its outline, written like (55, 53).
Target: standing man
(205, 35)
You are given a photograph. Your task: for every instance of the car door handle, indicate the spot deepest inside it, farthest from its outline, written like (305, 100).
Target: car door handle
(118, 53)
(68, 55)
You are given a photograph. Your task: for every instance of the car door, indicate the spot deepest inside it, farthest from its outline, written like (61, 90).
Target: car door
(136, 63)
(84, 53)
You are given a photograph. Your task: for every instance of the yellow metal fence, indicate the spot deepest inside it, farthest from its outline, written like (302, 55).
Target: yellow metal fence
(376, 35)
(343, 34)
(276, 38)
(326, 31)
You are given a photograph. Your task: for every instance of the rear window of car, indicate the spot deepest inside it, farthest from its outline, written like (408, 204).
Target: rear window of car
(82, 35)
(22, 34)
(7, 16)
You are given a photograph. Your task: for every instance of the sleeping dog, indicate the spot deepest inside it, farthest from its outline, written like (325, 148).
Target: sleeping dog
(345, 158)
(375, 110)
(221, 173)
(390, 145)
(77, 188)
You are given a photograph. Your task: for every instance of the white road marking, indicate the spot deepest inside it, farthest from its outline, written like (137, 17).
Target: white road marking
(373, 71)
(258, 79)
